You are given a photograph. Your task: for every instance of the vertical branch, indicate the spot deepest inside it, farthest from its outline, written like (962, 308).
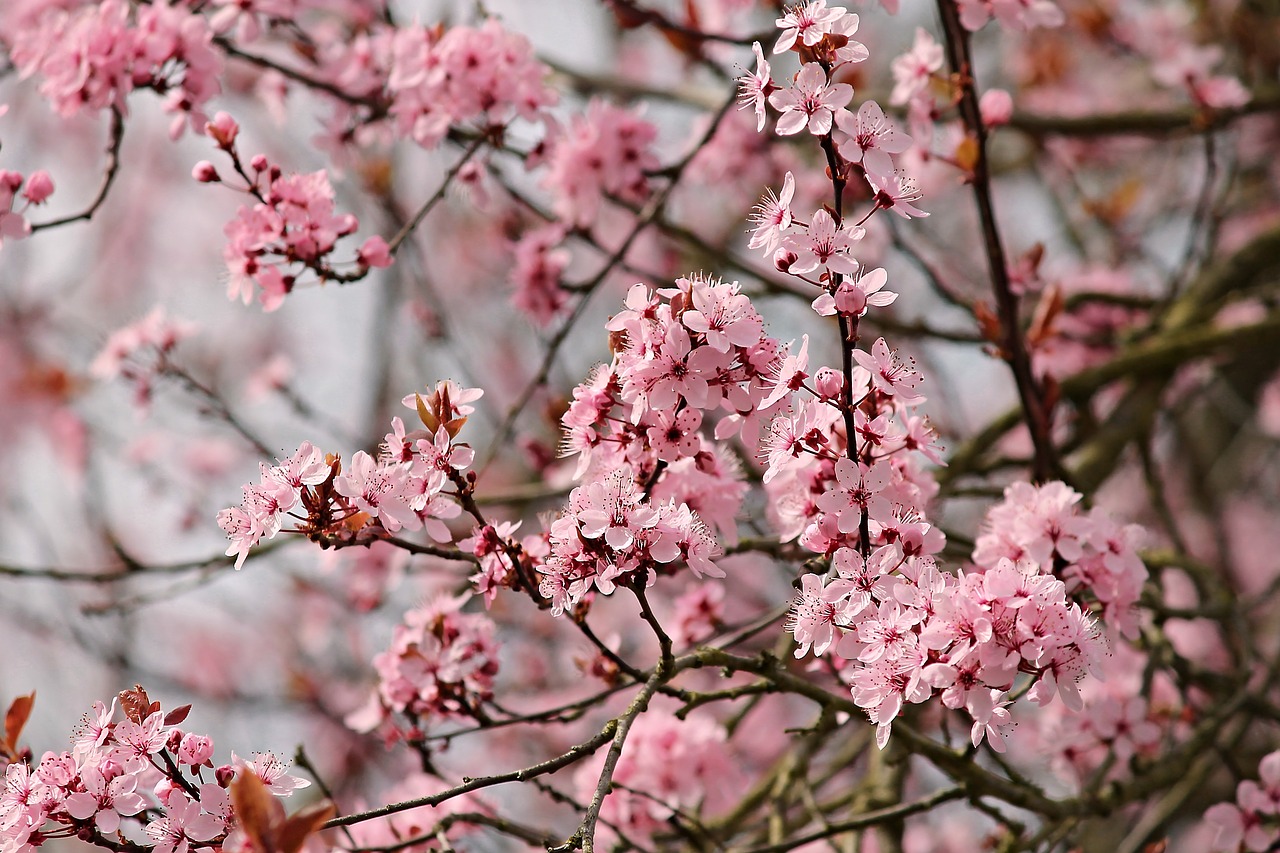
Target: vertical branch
(1045, 464)
(848, 343)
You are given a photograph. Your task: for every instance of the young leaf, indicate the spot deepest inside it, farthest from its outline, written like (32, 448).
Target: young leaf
(307, 821)
(137, 704)
(177, 715)
(257, 810)
(15, 719)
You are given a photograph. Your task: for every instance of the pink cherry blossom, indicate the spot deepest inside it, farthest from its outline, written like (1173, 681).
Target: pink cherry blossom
(823, 245)
(869, 138)
(772, 217)
(853, 295)
(913, 70)
(897, 192)
(754, 89)
(808, 23)
(890, 375)
(183, 823)
(273, 772)
(810, 102)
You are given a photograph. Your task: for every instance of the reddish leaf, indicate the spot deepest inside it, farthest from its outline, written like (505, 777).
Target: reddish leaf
(1048, 308)
(15, 718)
(137, 704)
(988, 323)
(177, 715)
(684, 40)
(298, 826)
(256, 809)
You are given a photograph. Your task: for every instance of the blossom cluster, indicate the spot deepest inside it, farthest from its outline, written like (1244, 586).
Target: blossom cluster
(93, 56)
(818, 492)
(403, 487)
(1017, 15)
(138, 352)
(440, 665)
(142, 769)
(864, 144)
(1126, 718)
(611, 534)
(654, 480)
(1252, 822)
(292, 226)
(606, 151)
(430, 80)
(679, 352)
(536, 273)
(1092, 552)
(905, 629)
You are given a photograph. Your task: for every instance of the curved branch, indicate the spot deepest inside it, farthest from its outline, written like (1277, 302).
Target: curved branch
(108, 178)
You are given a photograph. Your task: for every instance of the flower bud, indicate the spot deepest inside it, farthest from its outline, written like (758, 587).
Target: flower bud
(205, 173)
(374, 253)
(783, 259)
(224, 774)
(174, 740)
(224, 130)
(828, 383)
(39, 187)
(195, 749)
(996, 107)
(851, 299)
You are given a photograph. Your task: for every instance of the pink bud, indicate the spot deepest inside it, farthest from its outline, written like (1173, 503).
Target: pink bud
(173, 741)
(224, 130)
(224, 775)
(195, 749)
(828, 383)
(996, 107)
(783, 259)
(205, 173)
(375, 253)
(259, 163)
(39, 187)
(850, 299)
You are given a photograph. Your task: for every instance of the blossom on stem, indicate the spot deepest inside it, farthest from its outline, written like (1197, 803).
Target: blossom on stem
(810, 102)
(754, 89)
(869, 138)
(897, 192)
(823, 244)
(852, 296)
(808, 23)
(890, 376)
(772, 216)
(913, 70)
